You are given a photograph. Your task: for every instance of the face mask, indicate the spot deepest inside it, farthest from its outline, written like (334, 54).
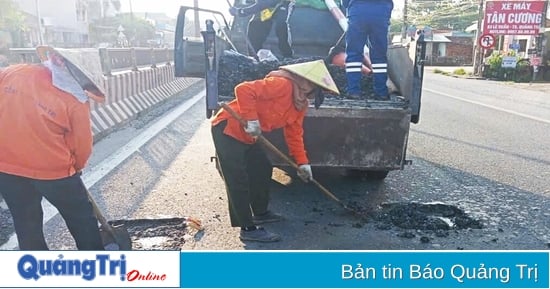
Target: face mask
(63, 80)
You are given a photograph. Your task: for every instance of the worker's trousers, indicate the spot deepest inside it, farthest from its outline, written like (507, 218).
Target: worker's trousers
(259, 30)
(368, 20)
(246, 171)
(24, 196)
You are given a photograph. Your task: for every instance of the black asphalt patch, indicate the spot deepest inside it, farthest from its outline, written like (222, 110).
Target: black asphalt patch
(431, 217)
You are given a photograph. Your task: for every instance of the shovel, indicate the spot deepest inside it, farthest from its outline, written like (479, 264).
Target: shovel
(114, 237)
(274, 149)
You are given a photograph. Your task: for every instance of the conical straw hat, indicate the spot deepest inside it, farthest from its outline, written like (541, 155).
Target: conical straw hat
(85, 66)
(314, 71)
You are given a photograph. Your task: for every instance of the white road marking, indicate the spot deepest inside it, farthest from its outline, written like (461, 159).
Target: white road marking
(96, 173)
(490, 106)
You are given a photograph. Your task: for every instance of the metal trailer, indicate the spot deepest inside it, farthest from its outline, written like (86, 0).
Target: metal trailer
(369, 140)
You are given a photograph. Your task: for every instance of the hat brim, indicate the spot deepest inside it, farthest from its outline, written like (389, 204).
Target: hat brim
(314, 71)
(77, 71)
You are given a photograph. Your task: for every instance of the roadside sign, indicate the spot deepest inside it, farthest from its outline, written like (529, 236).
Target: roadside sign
(513, 17)
(535, 61)
(509, 62)
(514, 46)
(487, 41)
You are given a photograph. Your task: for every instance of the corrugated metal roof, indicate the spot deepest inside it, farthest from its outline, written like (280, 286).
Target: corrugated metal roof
(471, 28)
(438, 38)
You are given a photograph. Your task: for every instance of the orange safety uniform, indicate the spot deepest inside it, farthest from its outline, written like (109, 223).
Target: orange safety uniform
(45, 133)
(269, 100)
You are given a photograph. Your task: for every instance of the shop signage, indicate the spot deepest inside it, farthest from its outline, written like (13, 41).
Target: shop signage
(513, 17)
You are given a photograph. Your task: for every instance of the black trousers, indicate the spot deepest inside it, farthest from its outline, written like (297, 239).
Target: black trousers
(246, 171)
(258, 30)
(23, 197)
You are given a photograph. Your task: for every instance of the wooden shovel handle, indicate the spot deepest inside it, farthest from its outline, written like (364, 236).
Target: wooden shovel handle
(102, 220)
(275, 150)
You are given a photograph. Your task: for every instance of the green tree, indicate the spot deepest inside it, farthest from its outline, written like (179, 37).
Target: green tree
(137, 30)
(12, 21)
(446, 14)
(396, 26)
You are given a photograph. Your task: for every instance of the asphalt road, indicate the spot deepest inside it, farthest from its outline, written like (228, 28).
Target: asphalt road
(481, 148)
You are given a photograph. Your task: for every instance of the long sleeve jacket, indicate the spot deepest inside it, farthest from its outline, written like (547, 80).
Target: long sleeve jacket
(269, 100)
(45, 133)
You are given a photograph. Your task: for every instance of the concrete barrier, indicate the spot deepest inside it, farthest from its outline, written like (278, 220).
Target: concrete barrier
(133, 92)
(135, 79)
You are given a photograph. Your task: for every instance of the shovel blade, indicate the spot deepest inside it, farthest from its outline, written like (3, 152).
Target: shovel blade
(117, 240)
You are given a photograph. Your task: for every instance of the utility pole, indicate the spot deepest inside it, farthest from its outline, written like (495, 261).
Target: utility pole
(405, 25)
(131, 10)
(541, 42)
(40, 36)
(102, 9)
(197, 22)
(478, 52)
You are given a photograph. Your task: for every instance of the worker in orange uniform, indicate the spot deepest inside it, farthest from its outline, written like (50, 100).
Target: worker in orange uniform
(280, 100)
(46, 141)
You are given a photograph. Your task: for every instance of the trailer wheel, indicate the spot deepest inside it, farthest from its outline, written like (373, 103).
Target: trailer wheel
(369, 175)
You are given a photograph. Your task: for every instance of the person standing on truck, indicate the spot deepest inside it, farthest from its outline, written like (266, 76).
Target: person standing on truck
(337, 56)
(46, 142)
(368, 20)
(265, 14)
(280, 100)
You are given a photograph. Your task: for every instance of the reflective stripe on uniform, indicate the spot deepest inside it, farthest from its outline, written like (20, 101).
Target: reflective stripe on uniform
(354, 66)
(379, 68)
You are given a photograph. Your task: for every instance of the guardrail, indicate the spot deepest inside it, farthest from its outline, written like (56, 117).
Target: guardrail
(112, 59)
(120, 59)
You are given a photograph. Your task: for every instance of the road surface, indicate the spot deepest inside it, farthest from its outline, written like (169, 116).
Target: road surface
(481, 149)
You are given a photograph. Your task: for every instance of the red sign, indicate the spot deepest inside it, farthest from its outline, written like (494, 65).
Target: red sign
(487, 41)
(535, 61)
(513, 17)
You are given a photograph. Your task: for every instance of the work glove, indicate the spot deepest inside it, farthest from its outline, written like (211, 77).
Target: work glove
(305, 173)
(253, 128)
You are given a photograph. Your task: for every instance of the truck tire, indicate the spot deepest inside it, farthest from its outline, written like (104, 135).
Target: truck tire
(369, 175)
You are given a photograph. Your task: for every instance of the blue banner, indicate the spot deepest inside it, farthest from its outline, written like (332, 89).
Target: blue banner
(365, 269)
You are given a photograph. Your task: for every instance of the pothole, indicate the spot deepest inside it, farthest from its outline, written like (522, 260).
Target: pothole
(6, 223)
(156, 234)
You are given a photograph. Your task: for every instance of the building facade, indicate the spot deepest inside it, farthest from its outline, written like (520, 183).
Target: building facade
(62, 23)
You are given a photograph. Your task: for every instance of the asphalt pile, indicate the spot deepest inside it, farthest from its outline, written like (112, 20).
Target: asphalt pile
(420, 216)
(235, 68)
